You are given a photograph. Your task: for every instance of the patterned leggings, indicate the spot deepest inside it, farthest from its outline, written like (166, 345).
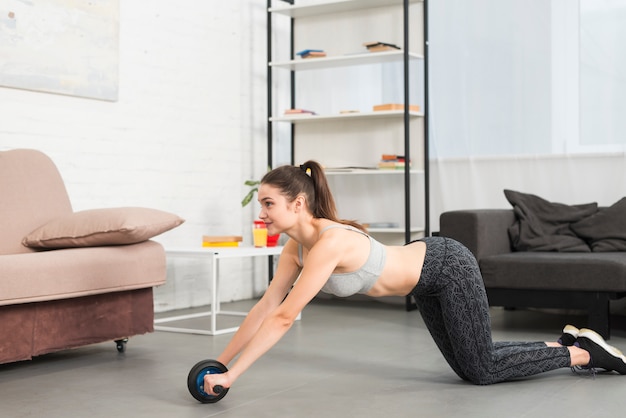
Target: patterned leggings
(452, 300)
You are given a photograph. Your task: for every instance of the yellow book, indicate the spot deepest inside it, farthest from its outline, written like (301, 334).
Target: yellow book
(221, 240)
(220, 244)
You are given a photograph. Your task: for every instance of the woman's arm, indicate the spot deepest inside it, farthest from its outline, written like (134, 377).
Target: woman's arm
(286, 273)
(321, 261)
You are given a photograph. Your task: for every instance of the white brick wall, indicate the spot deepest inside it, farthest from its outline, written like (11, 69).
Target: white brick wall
(188, 129)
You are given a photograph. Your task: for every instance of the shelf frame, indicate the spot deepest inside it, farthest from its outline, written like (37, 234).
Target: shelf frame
(303, 64)
(308, 118)
(339, 6)
(288, 8)
(329, 7)
(415, 230)
(368, 171)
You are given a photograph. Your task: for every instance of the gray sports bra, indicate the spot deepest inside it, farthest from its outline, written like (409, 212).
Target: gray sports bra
(360, 281)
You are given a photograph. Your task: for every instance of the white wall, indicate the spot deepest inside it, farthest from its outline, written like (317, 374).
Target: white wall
(478, 183)
(187, 130)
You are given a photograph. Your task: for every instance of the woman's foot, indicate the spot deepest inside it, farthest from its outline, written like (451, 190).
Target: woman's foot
(603, 355)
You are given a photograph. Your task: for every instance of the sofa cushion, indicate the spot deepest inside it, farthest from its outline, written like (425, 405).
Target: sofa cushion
(74, 272)
(96, 227)
(545, 226)
(563, 271)
(32, 193)
(606, 229)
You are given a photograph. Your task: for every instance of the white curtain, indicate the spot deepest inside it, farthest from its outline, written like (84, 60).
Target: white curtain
(526, 95)
(603, 73)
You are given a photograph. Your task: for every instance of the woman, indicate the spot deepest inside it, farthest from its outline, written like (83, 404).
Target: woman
(338, 257)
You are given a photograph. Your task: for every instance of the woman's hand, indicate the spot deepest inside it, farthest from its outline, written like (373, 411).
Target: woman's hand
(212, 380)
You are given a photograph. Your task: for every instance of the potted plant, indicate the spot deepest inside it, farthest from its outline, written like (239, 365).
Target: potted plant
(255, 188)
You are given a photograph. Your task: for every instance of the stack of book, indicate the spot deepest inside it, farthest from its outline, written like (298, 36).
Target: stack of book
(299, 112)
(392, 162)
(311, 53)
(395, 106)
(221, 241)
(380, 46)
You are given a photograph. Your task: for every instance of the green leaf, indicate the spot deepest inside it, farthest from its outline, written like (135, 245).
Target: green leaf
(248, 198)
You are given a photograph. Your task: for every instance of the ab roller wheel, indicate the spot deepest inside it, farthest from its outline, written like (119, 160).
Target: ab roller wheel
(195, 381)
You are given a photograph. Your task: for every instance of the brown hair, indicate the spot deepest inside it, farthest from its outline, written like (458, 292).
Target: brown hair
(310, 180)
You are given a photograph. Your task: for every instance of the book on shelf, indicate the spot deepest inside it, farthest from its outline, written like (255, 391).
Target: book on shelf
(311, 53)
(347, 169)
(392, 165)
(299, 112)
(395, 106)
(221, 240)
(314, 55)
(380, 46)
(392, 162)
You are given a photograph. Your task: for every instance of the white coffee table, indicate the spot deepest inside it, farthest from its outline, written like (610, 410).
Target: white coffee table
(212, 255)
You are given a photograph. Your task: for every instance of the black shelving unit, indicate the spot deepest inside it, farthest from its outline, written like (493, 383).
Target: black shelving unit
(406, 113)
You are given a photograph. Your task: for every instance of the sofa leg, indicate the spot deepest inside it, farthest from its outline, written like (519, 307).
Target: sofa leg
(599, 318)
(121, 344)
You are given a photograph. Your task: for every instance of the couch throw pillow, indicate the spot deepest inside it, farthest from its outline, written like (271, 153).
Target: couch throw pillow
(606, 229)
(545, 226)
(96, 227)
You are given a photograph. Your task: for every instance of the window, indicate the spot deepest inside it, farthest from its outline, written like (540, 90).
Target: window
(602, 38)
(527, 77)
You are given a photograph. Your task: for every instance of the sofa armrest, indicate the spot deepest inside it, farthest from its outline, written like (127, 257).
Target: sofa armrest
(483, 231)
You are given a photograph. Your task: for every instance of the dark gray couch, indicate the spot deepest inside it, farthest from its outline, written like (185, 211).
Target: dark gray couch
(569, 280)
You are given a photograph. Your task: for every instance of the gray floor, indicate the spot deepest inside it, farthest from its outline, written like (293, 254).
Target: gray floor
(344, 359)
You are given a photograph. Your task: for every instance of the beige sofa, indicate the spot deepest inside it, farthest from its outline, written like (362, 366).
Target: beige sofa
(67, 278)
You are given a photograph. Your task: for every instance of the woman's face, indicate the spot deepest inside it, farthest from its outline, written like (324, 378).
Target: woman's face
(276, 211)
